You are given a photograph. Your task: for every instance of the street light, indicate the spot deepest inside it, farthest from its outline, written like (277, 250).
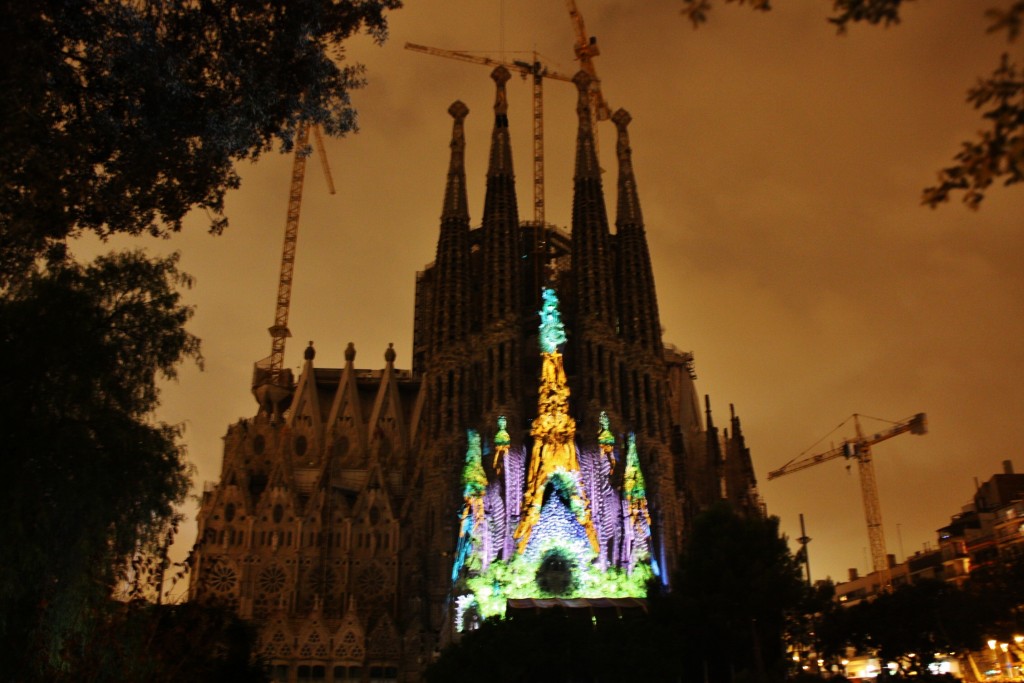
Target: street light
(992, 643)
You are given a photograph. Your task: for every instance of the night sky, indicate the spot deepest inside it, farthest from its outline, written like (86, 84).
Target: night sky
(779, 169)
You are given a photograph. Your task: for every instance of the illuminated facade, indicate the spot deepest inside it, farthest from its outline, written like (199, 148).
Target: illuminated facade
(554, 525)
(545, 443)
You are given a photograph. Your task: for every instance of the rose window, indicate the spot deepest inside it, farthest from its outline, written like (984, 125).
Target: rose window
(222, 578)
(322, 581)
(272, 580)
(370, 582)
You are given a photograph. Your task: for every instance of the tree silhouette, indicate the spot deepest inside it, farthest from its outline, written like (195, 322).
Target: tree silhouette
(89, 478)
(734, 592)
(121, 116)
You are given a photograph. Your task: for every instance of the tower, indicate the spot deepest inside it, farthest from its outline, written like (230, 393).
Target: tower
(544, 431)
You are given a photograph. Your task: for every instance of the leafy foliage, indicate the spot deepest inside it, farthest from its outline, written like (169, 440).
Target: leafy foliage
(559, 645)
(141, 641)
(90, 480)
(121, 115)
(998, 152)
(733, 592)
(873, 12)
(697, 10)
(912, 623)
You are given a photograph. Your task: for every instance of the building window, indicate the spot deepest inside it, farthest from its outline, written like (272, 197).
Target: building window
(383, 674)
(309, 674)
(348, 673)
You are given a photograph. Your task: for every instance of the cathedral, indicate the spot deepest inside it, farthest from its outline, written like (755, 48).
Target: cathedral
(546, 446)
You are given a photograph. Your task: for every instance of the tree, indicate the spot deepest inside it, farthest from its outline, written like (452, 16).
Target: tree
(998, 152)
(734, 591)
(912, 623)
(142, 641)
(558, 645)
(120, 116)
(89, 478)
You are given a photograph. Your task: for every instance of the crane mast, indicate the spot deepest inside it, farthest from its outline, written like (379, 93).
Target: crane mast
(859, 449)
(270, 379)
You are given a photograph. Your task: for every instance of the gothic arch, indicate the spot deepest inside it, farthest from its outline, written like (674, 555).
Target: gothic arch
(276, 641)
(314, 643)
(384, 644)
(350, 641)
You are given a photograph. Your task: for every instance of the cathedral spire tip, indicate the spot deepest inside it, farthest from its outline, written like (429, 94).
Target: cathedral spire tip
(586, 152)
(455, 202)
(583, 80)
(458, 110)
(501, 75)
(621, 119)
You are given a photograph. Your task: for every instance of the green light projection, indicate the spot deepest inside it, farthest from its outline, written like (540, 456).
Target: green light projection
(551, 524)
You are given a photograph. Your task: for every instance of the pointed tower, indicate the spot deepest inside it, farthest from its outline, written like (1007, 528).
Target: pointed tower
(597, 365)
(347, 437)
(639, 322)
(645, 392)
(740, 480)
(713, 480)
(449, 322)
(502, 275)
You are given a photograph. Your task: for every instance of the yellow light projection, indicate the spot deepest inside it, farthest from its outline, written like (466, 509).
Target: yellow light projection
(554, 433)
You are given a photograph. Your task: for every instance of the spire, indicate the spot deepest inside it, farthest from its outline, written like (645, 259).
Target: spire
(710, 424)
(714, 453)
(501, 155)
(455, 203)
(638, 314)
(587, 165)
(591, 241)
(741, 481)
(449, 320)
(501, 248)
(629, 202)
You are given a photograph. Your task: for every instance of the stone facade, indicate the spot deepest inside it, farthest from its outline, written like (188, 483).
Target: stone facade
(336, 518)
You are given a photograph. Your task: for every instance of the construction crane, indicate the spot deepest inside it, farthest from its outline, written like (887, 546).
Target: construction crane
(271, 383)
(859, 449)
(539, 73)
(586, 49)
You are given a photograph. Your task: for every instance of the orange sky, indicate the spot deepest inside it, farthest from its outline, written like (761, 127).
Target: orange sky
(779, 169)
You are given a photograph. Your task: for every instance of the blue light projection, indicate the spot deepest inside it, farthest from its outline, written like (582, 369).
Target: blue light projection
(552, 331)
